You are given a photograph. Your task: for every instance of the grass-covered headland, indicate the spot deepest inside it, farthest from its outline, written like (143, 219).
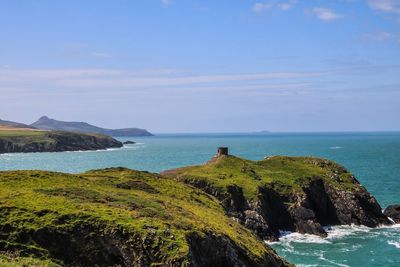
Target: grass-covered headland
(14, 140)
(216, 214)
(119, 216)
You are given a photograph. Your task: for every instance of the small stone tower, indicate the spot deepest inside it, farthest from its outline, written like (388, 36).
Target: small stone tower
(222, 151)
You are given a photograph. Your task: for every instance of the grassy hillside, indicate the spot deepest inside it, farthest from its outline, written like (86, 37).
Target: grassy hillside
(281, 173)
(300, 194)
(113, 216)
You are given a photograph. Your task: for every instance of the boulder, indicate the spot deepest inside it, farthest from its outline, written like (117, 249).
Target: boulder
(393, 212)
(129, 143)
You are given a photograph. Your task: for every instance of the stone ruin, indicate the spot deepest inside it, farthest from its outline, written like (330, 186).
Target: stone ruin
(222, 151)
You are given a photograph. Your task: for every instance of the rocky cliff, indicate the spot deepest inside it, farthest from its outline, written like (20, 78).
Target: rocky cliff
(44, 141)
(301, 194)
(119, 217)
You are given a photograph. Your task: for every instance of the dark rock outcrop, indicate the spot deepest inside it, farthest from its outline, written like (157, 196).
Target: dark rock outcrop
(393, 212)
(213, 250)
(129, 143)
(307, 211)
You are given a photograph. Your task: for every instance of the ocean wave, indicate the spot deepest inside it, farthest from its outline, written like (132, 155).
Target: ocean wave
(135, 144)
(334, 232)
(340, 231)
(287, 237)
(332, 262)
(394, 243)
(106, 150)
(335, 147)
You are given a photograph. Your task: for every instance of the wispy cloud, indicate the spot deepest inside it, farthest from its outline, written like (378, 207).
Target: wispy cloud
(378, 36)
(287, 5)
(260, 7)
(325, 14)
(109, 78)
(389, 6)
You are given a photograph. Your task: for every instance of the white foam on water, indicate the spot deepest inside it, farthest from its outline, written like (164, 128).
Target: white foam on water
(321, 257)
(134, 147)
(337, 232)
(302, 238)
(334, 233)
(394, 243)
(335, 147)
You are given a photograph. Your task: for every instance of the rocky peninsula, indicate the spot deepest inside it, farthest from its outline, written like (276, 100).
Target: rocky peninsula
(13, 140)
(298, 194)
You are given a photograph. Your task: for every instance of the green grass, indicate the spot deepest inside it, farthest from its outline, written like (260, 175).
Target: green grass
(283, 174)
(13, 259)
(24, 133)
(142, 204)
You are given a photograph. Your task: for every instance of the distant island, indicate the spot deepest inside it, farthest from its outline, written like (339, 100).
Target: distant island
(16, 138)
(215, 214)
(46, 123)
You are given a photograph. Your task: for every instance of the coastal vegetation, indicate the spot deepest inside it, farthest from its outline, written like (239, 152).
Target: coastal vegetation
(215, 214)
(300, 194)
(120, 216)
(13, 139)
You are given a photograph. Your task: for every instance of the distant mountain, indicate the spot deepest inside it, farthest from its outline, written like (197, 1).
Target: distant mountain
(14, 124)
(46, 123)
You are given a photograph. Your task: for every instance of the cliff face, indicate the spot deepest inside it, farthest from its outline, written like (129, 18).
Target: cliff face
(120, 217)
(285, 194)
(55, 142)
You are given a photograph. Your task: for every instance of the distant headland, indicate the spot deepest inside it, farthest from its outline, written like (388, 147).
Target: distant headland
(25, 140)
(49, 135)
(46, 123)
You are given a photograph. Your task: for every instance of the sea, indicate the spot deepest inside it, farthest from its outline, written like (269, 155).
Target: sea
(373, 157)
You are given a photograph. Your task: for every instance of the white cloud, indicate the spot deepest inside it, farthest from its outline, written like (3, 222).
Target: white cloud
(389, 6)
(325, 14)
(287, 5)
(260, 7)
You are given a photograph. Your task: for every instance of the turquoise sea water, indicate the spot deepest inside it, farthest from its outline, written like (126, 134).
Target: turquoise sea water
(373, 157)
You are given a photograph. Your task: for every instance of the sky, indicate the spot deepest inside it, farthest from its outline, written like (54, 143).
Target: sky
(203, 65)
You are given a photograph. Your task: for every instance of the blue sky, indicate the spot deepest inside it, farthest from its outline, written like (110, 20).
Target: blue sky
(203, 66)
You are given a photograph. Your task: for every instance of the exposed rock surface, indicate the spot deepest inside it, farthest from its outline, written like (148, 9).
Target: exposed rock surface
(56, 142)
(213, 250)
(46, 123)
(393, 212)
(285, 193)
(129, 143)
